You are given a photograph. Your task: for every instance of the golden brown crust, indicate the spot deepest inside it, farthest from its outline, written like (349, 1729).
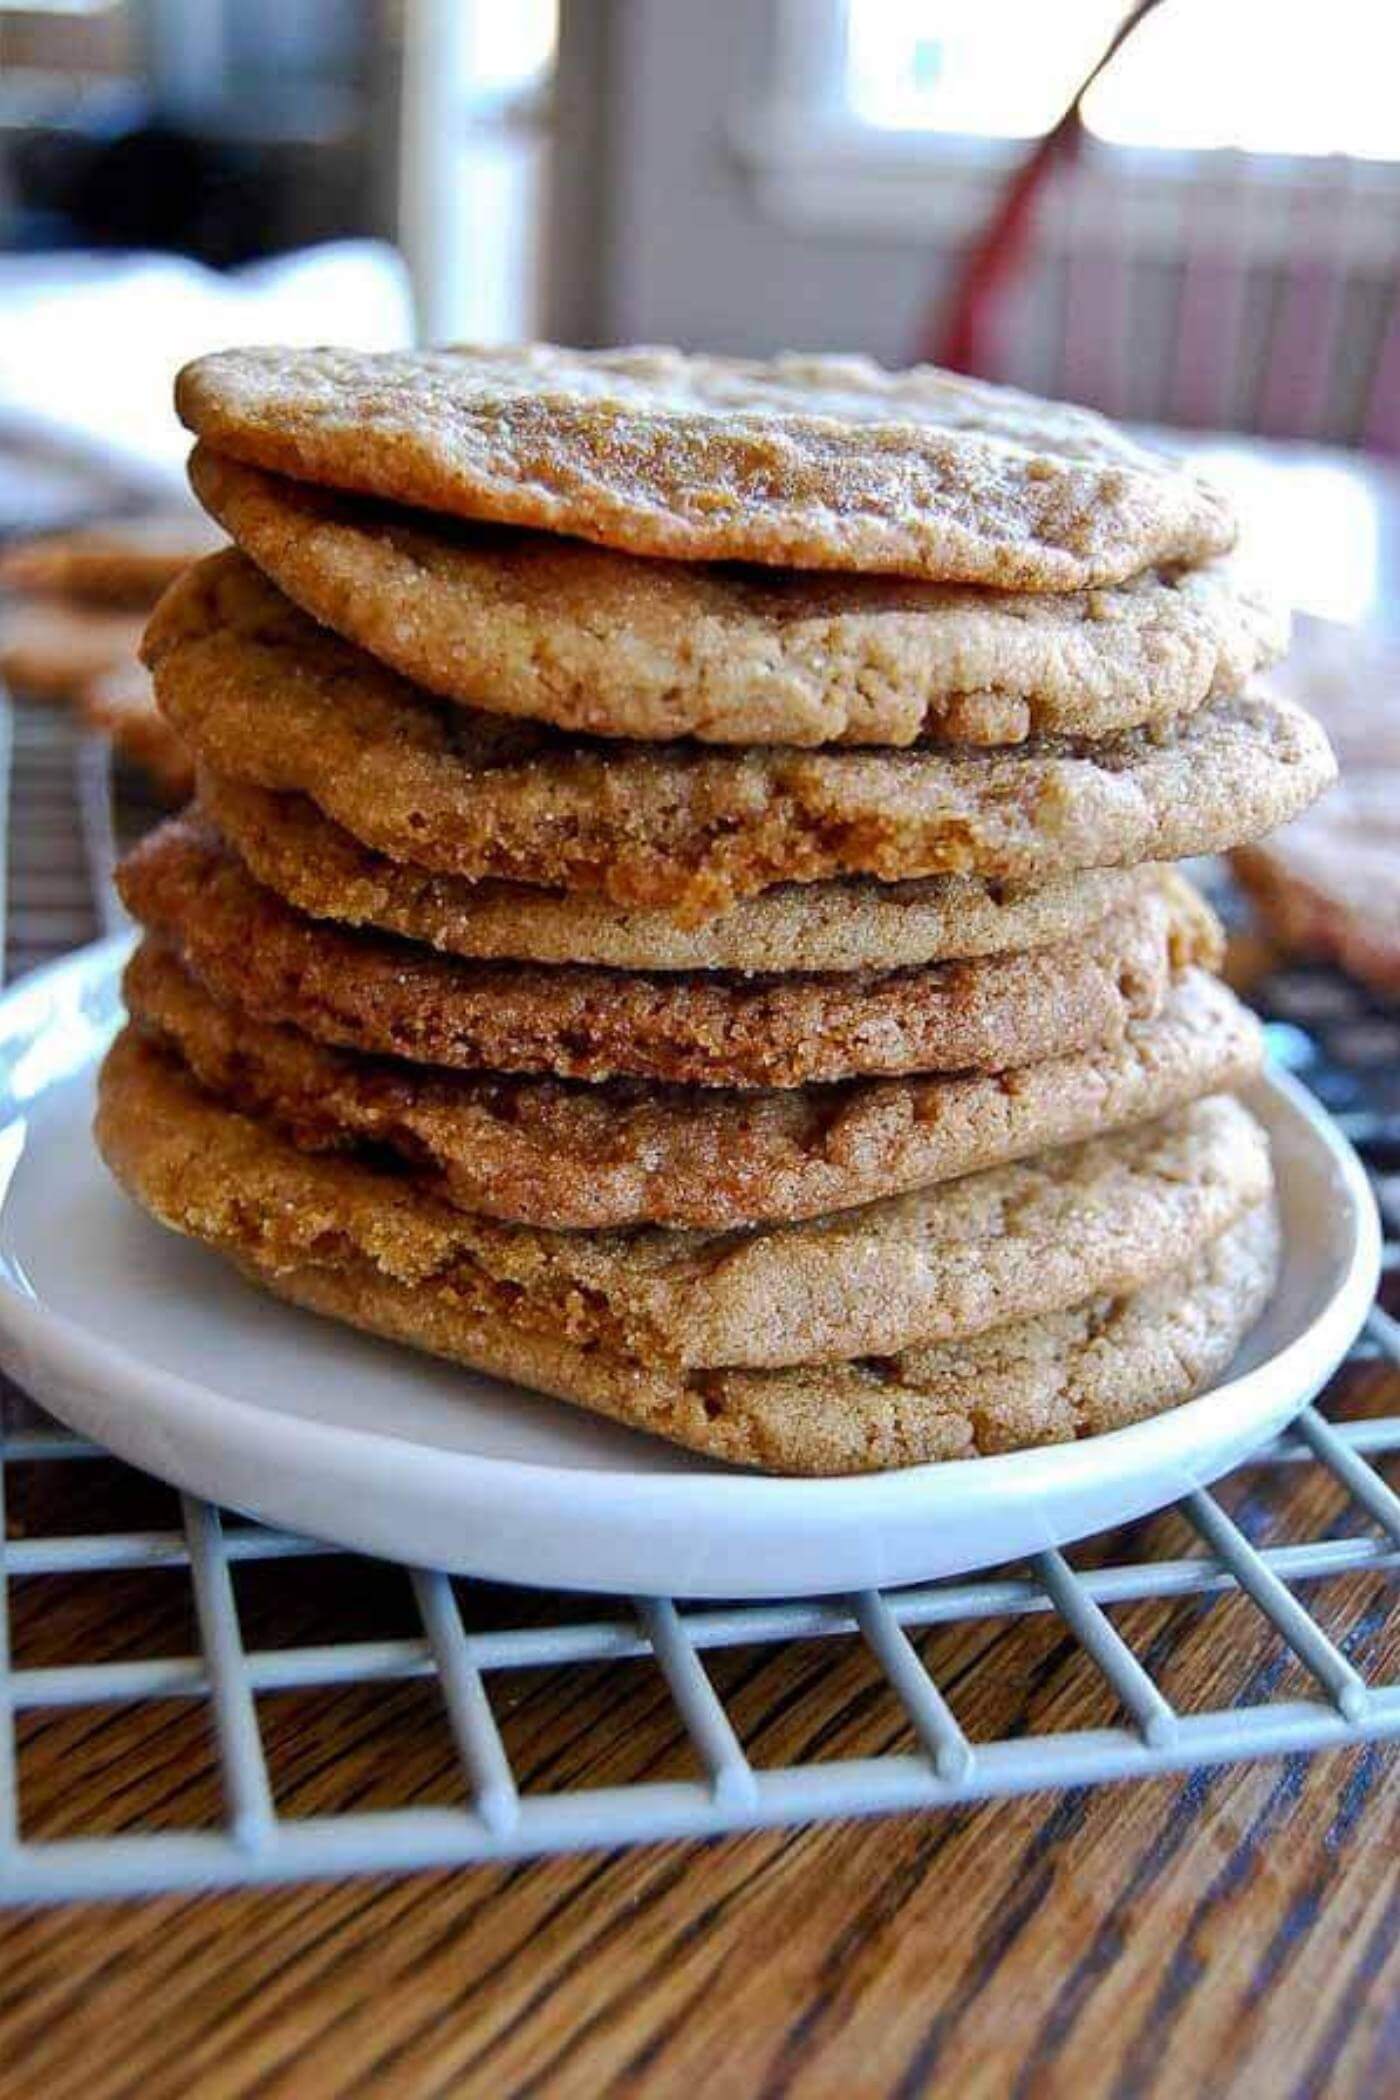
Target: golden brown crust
(556, 1153)
(50, 650)
(376, 993)
(608, 644)
(1036, 1236)
(121, 706)
(260, 693)
(803, 462)
(324, 871)
(124, 562)
(1095, 1368)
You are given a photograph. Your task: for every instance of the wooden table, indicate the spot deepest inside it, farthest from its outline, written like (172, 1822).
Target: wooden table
(1228, 1932)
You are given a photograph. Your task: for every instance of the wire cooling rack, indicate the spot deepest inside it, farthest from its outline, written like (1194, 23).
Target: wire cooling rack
(60, 847)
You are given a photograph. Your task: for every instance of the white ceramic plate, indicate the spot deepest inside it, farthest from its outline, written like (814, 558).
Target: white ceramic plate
(161, 1353)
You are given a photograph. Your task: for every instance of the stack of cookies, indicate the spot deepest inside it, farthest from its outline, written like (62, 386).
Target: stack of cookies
(676, 910)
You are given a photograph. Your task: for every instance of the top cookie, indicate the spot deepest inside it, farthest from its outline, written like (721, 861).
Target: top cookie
(593, 641)
(807, 462)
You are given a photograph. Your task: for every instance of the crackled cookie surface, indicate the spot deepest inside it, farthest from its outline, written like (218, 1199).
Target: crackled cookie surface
(552, 1152)
(1037, 1235)
(261, 693)
(1045, 1380)
(852, 925)
(601, 643)
(377, 993)
(808, 462)
(371, 1250)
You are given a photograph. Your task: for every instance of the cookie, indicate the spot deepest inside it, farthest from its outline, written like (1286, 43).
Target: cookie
(1328, 886)
(556, 1153)
(1347, 677)
(608, 644)
(324, 871)
(376, 993)
(1036, 1236)
(121, 706)
(49, 649)
(1049, 1380)
(119, 562)
(261, 693)
(807, 462)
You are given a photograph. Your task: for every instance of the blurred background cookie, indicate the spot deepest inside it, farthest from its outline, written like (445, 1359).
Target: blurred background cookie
(120, 704)
(122, 561)
(51, 647)
(1327, 886)
(73, 608)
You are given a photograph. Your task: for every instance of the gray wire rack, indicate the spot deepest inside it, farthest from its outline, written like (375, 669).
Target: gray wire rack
(1345, 1048)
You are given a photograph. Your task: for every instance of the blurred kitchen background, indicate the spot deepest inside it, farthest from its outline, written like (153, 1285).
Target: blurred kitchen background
(1208, 238)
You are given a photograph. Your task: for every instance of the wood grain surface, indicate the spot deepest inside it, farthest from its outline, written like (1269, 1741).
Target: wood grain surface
(1226, 1932)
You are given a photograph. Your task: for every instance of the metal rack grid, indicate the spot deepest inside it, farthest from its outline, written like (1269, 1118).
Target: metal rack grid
(1346, 1049)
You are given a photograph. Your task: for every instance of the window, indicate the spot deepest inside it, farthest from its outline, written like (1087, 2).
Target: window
(473, 163)
(1279, 77)
(898, 116)
(975, 68)
(508, 50)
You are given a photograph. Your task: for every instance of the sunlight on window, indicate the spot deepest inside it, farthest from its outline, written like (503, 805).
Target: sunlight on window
(1267, 76)
(512, 47)
(1263, 76)
(995, 68)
